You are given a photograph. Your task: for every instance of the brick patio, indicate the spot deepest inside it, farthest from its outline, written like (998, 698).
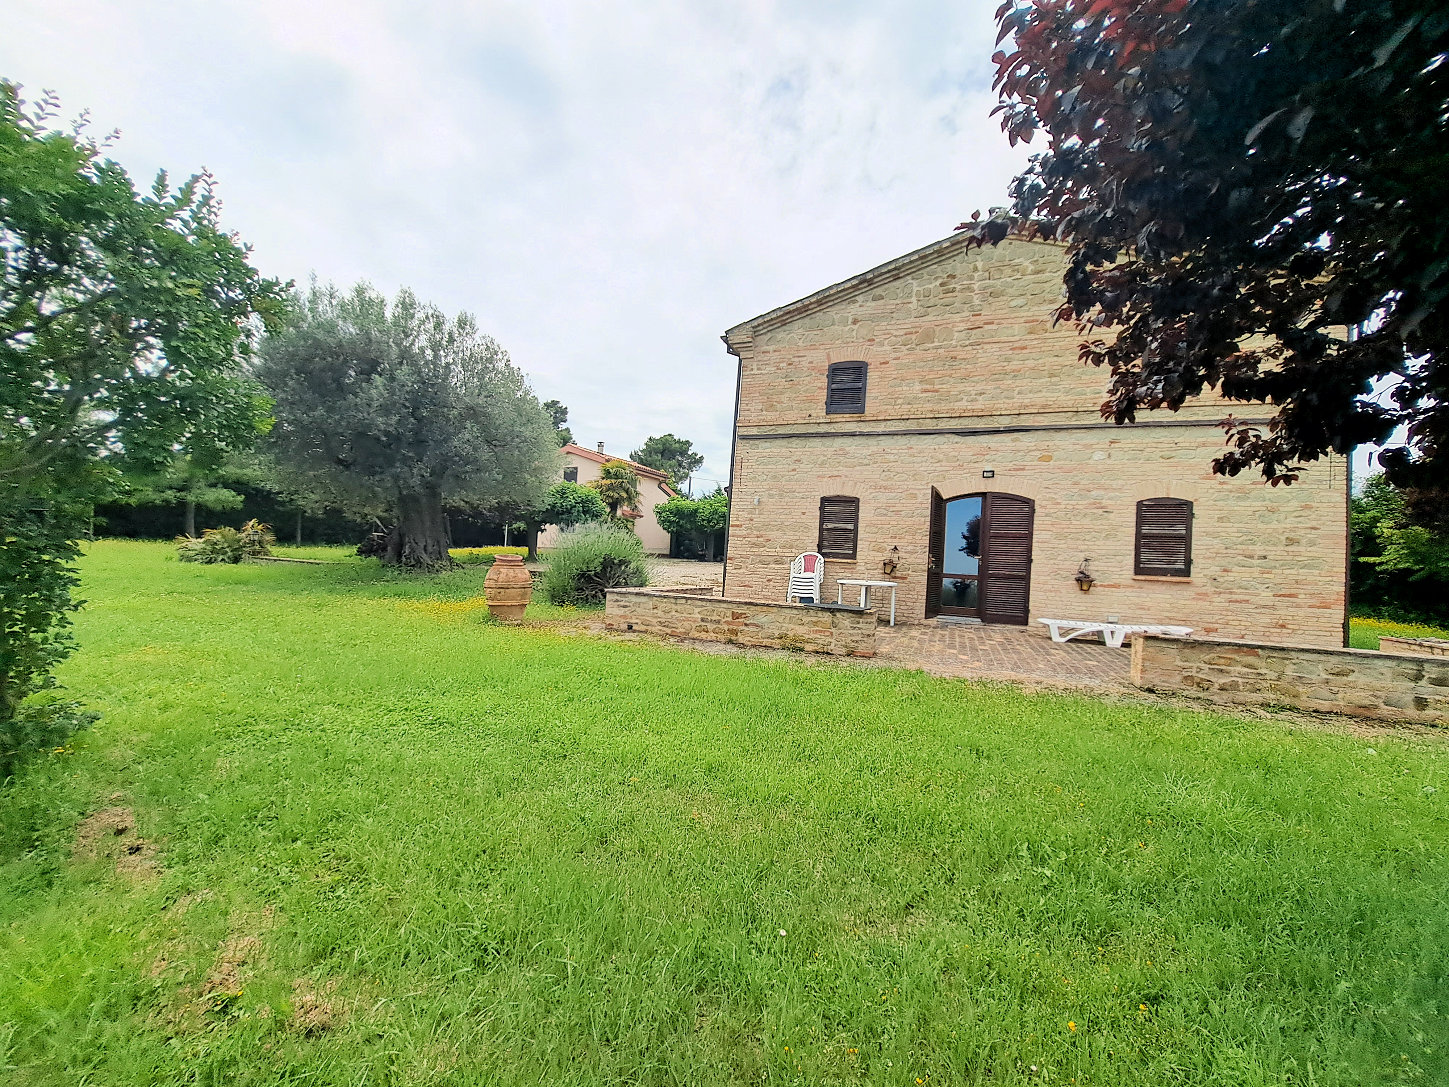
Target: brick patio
(1020, 654)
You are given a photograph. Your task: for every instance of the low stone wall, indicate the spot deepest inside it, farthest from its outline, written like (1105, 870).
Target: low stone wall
(829, 629)
(1360, 682)
(1415, 647)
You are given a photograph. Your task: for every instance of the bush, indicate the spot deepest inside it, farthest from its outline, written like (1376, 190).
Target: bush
(39, 726)
(591, 559)
(257, 539)
(252, 540)
(473, 556)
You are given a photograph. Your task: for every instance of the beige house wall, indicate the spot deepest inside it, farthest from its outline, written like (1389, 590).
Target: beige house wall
(651, 494)
(967, 374)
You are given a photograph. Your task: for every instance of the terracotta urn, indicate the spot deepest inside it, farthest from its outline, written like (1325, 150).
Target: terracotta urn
(508, 588)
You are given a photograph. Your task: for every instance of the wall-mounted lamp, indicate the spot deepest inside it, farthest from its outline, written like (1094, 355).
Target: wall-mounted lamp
(1084, 578)
(891, 561)
(988, 473)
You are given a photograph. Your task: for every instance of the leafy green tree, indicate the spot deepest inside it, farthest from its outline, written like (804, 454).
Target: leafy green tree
(697, 520)
(675, 457)
(1238, 183)
(125, 323)
(193, 478)
(567, 504)
(560, 420)
(395, 411)
(1400, 564)
(564, 504)
(618, 486)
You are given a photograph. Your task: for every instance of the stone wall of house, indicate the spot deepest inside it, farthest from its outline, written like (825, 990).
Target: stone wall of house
(1360, 682)
(1418, 647)
(840, 631)
(965, 343)
(1268, 562)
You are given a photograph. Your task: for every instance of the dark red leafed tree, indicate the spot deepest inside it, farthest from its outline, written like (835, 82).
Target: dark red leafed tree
(1239, 182)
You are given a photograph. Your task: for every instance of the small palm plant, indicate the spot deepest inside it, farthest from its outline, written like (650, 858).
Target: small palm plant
(618, 486)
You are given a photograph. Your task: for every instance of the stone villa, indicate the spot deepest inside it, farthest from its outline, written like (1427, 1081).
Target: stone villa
(926, 416)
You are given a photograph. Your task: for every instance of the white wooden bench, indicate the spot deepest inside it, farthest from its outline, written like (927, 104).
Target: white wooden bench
(1113, 634)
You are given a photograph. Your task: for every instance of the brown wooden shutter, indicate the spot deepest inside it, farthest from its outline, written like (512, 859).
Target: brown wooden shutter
(936, 556)
(1164, 537)
(1006, 566)
(845, 388)
(839, 526)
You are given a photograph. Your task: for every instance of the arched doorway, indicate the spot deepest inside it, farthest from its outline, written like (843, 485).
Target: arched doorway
(980, 557)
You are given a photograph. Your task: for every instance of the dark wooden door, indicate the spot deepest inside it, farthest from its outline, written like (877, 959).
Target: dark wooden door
(935, 555)
(1006, 559)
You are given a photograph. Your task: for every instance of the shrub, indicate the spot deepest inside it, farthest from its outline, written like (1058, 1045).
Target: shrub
(591, 559)
(257, 539)
(473, 556)
(252, 540)
(214, 545)
(37, 726)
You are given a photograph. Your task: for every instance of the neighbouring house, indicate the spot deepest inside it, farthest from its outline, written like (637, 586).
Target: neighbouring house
(930, 415)
(582, 465)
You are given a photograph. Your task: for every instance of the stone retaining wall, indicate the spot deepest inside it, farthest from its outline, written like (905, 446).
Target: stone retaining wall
(1360, 682)
(1418, 647)
(829, 629)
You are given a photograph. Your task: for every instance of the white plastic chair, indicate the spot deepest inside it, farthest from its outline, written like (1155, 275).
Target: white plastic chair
(806, 572)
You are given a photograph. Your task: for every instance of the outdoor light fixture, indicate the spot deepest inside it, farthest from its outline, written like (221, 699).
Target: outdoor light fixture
(1084, 578)
(988, 473)
(891, 561)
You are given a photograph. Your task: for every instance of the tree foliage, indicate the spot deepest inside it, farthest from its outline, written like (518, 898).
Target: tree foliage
(696, 520)
(394, 410)
(560, 416)
(708, 514)
(1400, 564)
(125, 320)
(1239, 182)
(618, 486)
(567, 504)
(675, 457)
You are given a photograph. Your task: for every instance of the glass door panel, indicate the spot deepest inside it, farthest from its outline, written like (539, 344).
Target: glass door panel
(960, 586)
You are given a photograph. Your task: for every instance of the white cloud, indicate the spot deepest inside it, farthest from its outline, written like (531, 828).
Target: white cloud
(608, 187)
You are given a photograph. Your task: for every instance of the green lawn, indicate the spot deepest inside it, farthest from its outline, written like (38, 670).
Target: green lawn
(396, 843)
(1365, 631)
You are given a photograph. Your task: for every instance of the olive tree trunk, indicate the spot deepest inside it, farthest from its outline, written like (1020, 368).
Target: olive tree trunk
(420, 539)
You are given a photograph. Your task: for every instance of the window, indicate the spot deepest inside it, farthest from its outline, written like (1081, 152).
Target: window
(1164, 537)
(845, 388)
(571, 475)
(839, 526)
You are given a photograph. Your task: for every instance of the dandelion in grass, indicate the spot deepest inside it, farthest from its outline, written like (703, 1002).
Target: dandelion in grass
(1072, 1026)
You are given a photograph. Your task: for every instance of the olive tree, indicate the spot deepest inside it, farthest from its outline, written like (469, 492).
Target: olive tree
(394, 410)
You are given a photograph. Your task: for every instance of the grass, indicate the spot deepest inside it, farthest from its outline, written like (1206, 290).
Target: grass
(396, 843)
(1365, 631)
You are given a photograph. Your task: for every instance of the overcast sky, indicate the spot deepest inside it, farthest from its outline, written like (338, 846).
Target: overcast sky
(608, 187)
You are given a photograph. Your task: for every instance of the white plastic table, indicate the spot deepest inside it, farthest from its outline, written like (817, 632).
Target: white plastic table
(865, 587)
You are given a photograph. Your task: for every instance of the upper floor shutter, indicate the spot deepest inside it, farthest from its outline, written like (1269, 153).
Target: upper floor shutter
(1164, 537)
(845, 388)
(839, 526)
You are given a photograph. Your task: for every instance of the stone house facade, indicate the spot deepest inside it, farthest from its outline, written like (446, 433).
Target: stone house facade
(927, 418)
(581, 465)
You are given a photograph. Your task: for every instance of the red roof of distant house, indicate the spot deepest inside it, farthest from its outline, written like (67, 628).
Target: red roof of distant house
(603, 458)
